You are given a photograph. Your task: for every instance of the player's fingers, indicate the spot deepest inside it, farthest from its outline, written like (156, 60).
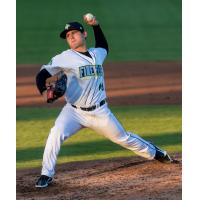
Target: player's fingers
(84, 18)
(91, 22)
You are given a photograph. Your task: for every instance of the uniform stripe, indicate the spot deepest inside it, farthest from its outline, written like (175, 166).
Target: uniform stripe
(85, 57)
(97, 81)
(94, 90)
(89, 91)
(93, 56)
(85, 91)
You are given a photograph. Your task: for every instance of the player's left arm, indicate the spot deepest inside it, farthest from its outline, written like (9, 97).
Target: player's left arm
(51, 87)
(41, 78)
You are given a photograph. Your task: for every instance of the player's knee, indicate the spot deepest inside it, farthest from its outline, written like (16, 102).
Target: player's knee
(57, 133)
(120, 137)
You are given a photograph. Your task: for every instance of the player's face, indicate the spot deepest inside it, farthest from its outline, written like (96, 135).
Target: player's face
(76, 39)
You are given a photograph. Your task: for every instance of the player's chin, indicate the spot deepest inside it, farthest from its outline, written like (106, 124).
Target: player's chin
(73, 45)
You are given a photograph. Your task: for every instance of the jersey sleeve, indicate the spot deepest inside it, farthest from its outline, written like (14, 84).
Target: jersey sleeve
(54, 66)
(100, 38)
(100, 54)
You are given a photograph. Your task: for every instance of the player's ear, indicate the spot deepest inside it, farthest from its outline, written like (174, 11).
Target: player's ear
(85, 34)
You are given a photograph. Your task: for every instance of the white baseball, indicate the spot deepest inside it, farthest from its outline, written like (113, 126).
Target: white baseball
(89, 16)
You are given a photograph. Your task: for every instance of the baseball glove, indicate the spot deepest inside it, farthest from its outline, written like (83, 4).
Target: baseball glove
(56, 87)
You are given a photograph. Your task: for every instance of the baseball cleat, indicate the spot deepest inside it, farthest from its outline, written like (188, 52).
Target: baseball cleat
(43, 181)
(162, 156)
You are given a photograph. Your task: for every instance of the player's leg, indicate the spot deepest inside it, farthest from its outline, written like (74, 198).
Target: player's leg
(110, 127)
(66, 124)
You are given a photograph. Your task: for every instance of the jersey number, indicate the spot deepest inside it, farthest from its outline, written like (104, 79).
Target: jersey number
(101, 87)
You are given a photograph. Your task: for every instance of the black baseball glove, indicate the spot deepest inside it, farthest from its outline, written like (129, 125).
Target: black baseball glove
(56, 87)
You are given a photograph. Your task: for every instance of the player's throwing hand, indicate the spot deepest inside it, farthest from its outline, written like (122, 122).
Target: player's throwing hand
(90, 19)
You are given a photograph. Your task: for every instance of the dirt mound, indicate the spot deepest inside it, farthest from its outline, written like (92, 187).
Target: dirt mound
(118, 179)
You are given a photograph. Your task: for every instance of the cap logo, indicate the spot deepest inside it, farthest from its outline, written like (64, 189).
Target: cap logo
(67, 26)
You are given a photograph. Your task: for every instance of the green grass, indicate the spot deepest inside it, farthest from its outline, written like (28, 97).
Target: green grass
(160, 124)
(135, 29)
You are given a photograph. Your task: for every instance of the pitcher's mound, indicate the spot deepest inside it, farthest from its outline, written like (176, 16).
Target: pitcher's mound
(117, 179)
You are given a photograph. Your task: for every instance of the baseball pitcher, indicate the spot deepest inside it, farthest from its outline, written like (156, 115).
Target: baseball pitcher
(77, 73)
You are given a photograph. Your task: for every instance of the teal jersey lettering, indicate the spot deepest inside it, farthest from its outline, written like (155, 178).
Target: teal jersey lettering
(90, 70)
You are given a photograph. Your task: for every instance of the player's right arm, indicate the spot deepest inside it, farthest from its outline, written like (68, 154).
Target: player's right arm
(100, 40)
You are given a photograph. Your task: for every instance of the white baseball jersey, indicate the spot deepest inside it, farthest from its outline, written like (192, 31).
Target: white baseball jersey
(85, 84)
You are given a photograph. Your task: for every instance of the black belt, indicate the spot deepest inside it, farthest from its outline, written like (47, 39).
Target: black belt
(92, 107)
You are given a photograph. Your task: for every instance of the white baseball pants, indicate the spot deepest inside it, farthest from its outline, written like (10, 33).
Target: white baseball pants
(102, 121)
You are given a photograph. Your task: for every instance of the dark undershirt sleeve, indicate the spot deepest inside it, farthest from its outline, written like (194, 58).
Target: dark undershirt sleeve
(41, 80)
(100, 38)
